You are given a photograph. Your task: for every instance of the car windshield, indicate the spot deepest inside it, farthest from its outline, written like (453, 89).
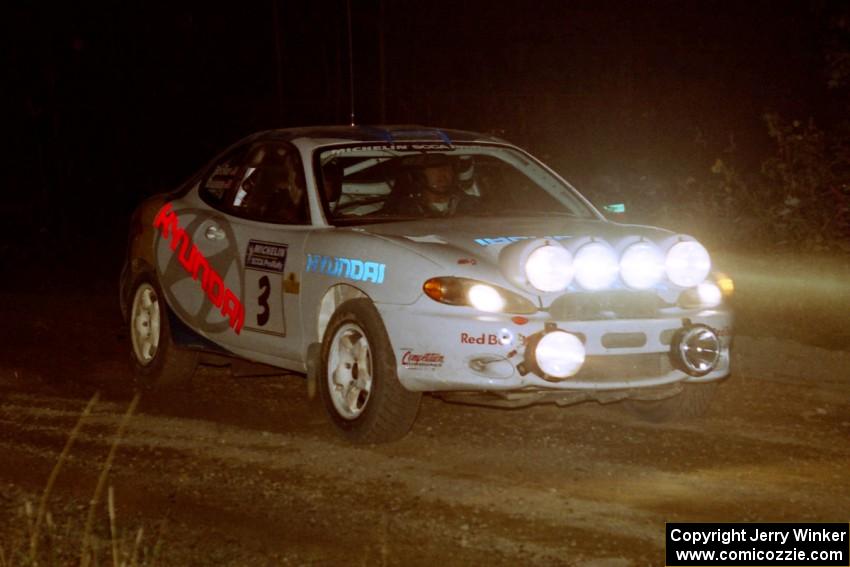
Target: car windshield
(376, 183)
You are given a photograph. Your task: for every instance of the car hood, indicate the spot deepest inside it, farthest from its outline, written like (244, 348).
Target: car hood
(484, 237)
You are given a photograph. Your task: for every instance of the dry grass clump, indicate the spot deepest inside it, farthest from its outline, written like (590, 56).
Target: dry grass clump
(44, 542)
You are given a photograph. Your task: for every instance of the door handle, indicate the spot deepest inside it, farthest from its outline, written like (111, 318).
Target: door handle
(214, 233)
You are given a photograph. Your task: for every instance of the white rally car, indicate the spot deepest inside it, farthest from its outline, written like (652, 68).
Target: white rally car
(384, 262)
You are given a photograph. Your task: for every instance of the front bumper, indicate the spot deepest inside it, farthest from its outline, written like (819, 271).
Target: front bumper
(446, 348)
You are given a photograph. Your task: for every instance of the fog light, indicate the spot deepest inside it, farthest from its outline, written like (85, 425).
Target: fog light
(695, 350)
(558, 354)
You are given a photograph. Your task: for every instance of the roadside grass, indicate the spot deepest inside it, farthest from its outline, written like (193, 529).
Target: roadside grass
(42, 541)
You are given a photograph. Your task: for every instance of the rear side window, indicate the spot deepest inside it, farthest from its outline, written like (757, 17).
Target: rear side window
(223, 177)
(271, 186)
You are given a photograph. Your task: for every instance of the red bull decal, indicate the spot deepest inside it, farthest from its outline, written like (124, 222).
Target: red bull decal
(195, 263)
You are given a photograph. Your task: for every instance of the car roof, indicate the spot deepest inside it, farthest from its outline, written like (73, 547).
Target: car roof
(386, 134)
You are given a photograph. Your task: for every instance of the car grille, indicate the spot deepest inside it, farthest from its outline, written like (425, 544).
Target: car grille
(618, 304)
(616, 368)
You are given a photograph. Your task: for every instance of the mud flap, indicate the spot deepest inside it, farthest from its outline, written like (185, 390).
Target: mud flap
(314, 354)
(185, 337)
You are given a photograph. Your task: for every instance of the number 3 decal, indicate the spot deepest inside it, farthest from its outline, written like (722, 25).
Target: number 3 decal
(264, 267)
(263, 301)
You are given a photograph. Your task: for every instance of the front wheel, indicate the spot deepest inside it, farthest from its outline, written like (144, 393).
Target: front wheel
(157, 362)
(693, 401)
(358, 382)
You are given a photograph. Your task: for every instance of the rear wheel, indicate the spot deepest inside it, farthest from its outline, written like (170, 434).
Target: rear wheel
(358, 382)
(693, 401)
(156, 360)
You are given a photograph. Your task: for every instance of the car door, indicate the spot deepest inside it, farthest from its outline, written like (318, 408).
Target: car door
(270, 221)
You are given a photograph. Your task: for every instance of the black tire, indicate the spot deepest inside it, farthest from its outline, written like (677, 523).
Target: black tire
(164, 365)
(692, 402)
(388, 410)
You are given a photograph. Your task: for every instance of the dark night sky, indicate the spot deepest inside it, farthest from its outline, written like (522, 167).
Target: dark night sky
(127, 99)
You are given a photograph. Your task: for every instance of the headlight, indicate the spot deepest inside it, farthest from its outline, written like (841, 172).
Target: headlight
(549, 268)
(485, 298)
(687, 263)
(706, 295)
(709, 294)
(480, 295)
(596, 266)
(642, 265)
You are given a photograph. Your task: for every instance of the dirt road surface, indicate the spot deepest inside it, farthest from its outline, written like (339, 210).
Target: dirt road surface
(246, 471)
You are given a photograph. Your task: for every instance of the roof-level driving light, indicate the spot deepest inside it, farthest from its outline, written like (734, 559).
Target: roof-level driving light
(642, 265)
(596, 266)
(549, 268)
(687, 263)
(539, 264)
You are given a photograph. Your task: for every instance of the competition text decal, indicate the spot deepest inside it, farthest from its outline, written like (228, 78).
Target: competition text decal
(411, 359)
(510, 239)
(192, 261)
(349, 268)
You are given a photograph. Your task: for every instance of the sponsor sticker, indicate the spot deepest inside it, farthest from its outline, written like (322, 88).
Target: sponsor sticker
(504, 337)
(396, 147)
(482, 339)
(266, 256)
(349, 268)
(266, 311)
(510, 239)
(410, 359)
(291, 284)
(199, 268)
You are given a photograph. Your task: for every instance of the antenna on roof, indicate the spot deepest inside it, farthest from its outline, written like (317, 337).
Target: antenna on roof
(350, 65)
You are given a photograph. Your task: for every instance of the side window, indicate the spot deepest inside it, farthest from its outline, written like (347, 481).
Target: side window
(271, 186)
(221, 180)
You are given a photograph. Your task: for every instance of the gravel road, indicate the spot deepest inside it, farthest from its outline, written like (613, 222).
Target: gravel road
(246, 471)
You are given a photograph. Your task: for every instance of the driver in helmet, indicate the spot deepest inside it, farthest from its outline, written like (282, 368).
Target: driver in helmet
(434, 190)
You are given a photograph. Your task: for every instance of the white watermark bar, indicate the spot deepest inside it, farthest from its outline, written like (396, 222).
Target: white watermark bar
(762, 544)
